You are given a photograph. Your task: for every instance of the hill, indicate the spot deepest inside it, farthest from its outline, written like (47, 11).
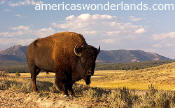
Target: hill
(161, 77)
(13, 54)
(129, 66)
(17, 54)
(125, 56)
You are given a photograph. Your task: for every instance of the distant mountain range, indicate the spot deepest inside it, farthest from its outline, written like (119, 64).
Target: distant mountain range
(123, 56)
(17, 54)
(13, 54)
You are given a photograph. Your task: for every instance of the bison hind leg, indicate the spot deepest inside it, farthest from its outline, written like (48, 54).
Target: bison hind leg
(34, 72)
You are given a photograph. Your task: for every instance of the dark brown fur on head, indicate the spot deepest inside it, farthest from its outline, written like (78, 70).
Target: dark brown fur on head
(88, 57)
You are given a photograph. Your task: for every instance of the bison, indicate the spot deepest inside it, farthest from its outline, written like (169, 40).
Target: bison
(67, 55)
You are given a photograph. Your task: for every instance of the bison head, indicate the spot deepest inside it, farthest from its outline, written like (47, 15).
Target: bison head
(87, 55)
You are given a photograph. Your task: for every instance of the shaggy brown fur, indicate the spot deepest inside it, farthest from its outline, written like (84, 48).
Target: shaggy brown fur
(55, 53)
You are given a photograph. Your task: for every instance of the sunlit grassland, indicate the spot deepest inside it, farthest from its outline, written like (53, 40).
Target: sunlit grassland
(161, 77)
(144, 88)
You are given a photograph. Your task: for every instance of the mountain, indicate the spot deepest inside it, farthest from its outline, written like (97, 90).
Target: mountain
(13, 54)
(17, 54)
(122, 56)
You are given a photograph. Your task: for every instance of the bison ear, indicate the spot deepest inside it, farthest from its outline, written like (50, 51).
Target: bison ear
(98, 49)
(78, 50)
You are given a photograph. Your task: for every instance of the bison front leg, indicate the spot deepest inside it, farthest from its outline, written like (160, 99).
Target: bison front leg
(71, 90)
(60, 81)
(69, 82)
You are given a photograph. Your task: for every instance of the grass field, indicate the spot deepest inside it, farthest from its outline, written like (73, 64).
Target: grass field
(145, 88)
(161, 77)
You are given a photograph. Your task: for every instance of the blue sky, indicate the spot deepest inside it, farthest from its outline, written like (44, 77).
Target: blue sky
(151, 31)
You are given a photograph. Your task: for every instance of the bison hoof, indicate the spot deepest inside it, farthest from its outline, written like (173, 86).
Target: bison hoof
(35, 90)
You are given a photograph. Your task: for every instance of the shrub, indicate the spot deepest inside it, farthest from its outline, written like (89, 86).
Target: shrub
(18, 74)
(3, 74)
(122, 98)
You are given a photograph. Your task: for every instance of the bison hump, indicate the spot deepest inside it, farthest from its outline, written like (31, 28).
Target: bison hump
(35, 42)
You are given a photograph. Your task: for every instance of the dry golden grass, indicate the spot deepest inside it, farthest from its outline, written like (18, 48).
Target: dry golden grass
(161, 77)
(108, 88)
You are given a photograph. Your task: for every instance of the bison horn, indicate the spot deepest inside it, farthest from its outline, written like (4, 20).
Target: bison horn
(77, 53)
(98, 49)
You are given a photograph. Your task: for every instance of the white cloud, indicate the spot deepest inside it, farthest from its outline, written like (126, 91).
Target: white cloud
(23, 35)
(5, 41)
(84, 17)
(135, 19)
(90, 32)
(70, 17)
(164, 45)
(43, 32)
(14, 41)
(108, 41)
(18, 15)
(164, 41)
(11, 34)
(24, 2)
(157, 45)
(16, 31)
(112, 33)
(6, 34)
(97, 29)
(140, 31)
(21, 27)
(99, 25)
(162, 36)
(27, 31)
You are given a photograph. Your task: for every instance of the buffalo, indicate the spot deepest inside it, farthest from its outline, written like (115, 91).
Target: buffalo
(67, 55)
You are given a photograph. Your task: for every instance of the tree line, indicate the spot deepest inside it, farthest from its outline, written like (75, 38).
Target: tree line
(129, 66)
(23, 68)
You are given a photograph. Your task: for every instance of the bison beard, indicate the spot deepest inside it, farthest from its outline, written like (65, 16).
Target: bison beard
(67, 55)
(88, 80)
